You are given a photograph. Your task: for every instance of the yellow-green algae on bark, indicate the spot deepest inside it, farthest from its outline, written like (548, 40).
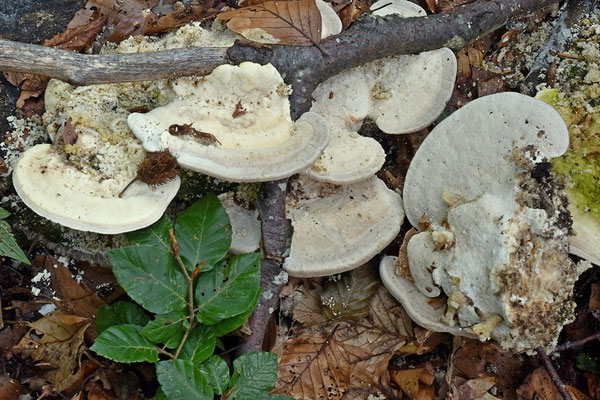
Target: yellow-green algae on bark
(582, 161)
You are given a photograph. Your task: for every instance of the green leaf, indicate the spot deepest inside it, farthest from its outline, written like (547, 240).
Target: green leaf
(199, 345)
(231, 324)
(587, 363)
(227, 290)
(160, 395)
(215, 369)
(349, 296)
(156, 234)
(150, 276)
(254, 375)
(120, 313)
(166, 328)
(8, 244)
(4, 213)
(203, 233)
(124, 343)
(181, 380)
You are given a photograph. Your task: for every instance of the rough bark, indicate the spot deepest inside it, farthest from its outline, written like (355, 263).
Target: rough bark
(276, 235)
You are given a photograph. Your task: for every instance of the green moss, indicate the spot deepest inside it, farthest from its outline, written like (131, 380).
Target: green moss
(582, 161)
(195, 185)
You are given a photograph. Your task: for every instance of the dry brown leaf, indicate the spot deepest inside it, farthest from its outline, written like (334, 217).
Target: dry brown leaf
(348, 355)
(134, 23)
(416, 383)
(473, 359)
(277, 22)
(80, 37)
(54, 343)
(177, 19)
(539, 385)
(77, 298)
(307, 307)
(475, 388)
(10, 389)
(350, 11)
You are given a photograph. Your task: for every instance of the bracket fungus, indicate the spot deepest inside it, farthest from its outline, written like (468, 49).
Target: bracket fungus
(60, 192)
(233, 124)
(494, 224)
(402, 94)
(339, 228)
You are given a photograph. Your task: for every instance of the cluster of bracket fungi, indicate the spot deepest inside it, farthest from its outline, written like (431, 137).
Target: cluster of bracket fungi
(473, 191)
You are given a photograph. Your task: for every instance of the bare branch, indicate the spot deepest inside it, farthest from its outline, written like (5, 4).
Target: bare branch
(88, 69)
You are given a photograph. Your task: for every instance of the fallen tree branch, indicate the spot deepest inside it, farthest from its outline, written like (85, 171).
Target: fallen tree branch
(276, 234)
(560, 386)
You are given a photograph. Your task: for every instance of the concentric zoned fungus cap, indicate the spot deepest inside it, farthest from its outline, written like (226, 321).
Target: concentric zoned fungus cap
(339, 228)
(495, 224)
(65, 195)
(401, 94)
(234, 124)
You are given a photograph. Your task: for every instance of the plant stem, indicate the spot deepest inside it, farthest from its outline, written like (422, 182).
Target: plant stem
(560, 386)
(190, 301)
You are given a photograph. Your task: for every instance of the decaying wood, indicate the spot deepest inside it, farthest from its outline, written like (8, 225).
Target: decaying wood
(556, 43)
(276, 234)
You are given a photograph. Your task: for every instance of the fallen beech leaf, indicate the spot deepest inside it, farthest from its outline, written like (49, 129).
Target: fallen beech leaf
(402, 261)
(134, 23)
(10, 389)
(416, 382)
(54, 343)
(349, 12)
(348, 297)
(473, 359)
(344, 355)
(177, 19)
(539, 385)
(77, 39)
(476, 388)
(307, 307)
(277, 22)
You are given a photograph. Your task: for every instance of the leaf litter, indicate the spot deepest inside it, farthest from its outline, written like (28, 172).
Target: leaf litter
(362, 343)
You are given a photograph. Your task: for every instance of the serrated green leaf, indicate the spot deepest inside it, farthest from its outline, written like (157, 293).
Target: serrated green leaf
(166, 328)
(199, 345)
(150, 276)
(587, 363)
(231, 324)
(181, 380)
(215, 369)
(4, 213)
(254, 376)
(227, 290)
(349, 296)
(124, 343)
(9, 246)
(156, 234)
(203, 233)
(120, 313)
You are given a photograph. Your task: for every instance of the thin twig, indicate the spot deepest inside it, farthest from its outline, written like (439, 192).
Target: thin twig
(575, 343)
(190, 302)
(553, 374)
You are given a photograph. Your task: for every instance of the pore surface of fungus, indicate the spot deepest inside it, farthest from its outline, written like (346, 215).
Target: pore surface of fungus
(402, 94)
(339, 228)
(233, 124)
(494, 224)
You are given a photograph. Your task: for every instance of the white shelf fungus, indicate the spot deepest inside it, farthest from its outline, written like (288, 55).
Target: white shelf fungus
(402, 94)
(238, 126)
(339, 228)
(63, 194)
(494, 225)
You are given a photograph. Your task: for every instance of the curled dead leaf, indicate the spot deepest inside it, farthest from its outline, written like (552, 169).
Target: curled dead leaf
(292, 22)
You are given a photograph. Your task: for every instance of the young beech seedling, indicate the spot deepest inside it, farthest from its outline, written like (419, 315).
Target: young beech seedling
(189, 296)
